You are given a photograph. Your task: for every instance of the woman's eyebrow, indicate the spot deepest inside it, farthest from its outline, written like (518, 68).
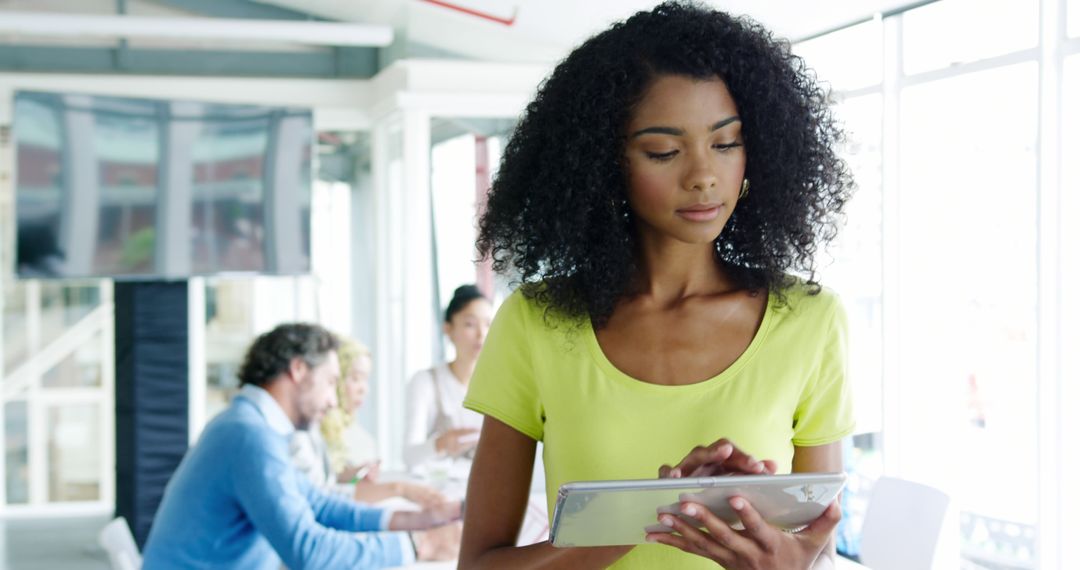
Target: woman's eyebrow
(679, 132)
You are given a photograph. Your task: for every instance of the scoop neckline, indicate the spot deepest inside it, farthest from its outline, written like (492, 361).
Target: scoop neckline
(733, 369)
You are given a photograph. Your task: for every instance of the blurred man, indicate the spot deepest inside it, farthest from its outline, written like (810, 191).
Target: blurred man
(236, 501)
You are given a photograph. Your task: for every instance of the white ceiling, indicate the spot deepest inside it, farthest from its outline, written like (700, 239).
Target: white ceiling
(543, 30)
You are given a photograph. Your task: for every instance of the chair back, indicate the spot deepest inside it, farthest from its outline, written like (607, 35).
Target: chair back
(902, 526)
(118, 542)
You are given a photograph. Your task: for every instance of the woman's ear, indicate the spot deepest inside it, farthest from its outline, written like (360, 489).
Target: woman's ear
(446, 328)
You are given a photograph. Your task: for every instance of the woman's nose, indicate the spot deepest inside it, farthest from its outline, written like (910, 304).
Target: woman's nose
(700, 174)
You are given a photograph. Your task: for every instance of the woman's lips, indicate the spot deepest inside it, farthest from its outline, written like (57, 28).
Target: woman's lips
(700, 213)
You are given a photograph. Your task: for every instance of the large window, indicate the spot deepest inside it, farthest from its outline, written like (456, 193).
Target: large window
(967, 298)
(952, 32)
(940, 267)
(850, 58)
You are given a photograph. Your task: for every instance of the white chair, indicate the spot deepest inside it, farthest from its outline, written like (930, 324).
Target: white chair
(902, 526)
(118, 542)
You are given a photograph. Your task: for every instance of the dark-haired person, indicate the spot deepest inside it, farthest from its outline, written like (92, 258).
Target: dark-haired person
(439, 433)
(657, 198)
(236, 501)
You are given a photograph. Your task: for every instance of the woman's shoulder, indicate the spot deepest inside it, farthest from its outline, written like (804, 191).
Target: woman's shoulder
(805, 299)
(527, 305)
(421, 379)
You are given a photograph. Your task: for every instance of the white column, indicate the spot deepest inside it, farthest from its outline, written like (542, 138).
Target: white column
(385, 168)
(107, 494)
(405, 326)
(196, 357)
(415, 204)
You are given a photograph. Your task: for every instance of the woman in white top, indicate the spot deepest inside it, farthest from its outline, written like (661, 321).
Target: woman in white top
(440, 434)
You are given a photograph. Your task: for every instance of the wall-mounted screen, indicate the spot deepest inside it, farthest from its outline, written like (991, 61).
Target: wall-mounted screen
(154, 189)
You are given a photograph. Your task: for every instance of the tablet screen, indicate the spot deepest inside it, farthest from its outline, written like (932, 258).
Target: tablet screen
(607, 513)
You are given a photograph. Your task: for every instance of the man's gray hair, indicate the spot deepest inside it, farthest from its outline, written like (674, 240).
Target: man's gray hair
(272, 352)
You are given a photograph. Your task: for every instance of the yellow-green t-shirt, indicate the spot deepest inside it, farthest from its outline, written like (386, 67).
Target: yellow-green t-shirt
(554, 384)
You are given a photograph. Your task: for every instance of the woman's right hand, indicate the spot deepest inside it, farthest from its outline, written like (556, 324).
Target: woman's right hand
(719, 458)
(455, 442)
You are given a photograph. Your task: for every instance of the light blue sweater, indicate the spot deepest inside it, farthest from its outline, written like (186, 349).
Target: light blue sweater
(236, 501)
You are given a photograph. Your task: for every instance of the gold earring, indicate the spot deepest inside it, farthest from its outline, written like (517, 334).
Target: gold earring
(745, 188)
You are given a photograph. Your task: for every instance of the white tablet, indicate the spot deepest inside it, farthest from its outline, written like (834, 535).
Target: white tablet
(608, 513)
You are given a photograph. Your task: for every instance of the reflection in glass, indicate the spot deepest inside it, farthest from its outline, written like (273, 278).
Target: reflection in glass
(227, 207)
(74, 452)
(124, 141)
(846, 59)
(120, 187)
(967, 300)
(950, 32)
(16, 453)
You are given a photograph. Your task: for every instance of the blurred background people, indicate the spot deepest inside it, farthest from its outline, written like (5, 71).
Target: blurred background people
(236, 501)
(338, 453)
(440, 434)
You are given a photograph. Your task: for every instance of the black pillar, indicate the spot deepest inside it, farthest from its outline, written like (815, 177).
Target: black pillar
(151, 395)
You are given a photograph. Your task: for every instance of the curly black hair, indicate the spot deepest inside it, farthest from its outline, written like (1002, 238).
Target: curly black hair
(272, 352)
(557, 212)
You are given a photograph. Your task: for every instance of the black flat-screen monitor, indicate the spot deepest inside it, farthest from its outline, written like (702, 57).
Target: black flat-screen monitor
(159, 189)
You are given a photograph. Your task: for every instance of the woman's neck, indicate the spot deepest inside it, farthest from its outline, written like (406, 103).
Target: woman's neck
(462, 369)
(673, 273)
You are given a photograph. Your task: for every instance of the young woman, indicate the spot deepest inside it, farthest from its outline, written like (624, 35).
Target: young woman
(439, 433)
(657, 197)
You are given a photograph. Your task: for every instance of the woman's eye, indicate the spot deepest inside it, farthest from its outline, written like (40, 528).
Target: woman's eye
(661, 156)
(726, 146)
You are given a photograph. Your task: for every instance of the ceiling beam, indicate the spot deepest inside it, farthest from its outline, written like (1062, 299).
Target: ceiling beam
(354, 63)
(238, 9)
(30, 24)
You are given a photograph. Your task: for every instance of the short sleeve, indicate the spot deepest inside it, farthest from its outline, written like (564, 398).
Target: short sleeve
(504, 384)
(826, 409)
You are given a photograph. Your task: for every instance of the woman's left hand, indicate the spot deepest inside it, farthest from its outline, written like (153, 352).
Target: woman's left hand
(758, 546)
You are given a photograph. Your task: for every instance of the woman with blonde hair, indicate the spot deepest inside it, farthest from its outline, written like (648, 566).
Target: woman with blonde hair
(331, 453)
